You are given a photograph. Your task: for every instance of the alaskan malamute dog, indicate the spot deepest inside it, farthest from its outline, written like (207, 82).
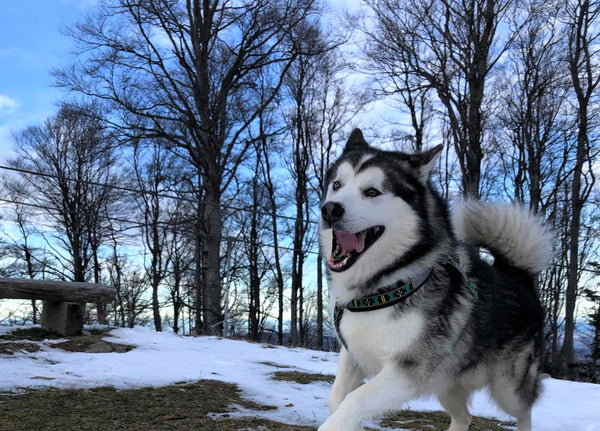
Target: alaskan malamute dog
(416, 309)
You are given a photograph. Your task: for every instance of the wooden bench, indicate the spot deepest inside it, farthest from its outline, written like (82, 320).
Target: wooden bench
(63, 301)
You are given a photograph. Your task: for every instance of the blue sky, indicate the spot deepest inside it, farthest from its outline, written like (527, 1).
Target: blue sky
(31, 44)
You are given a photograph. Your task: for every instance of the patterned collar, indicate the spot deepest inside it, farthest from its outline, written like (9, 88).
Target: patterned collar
(391, 295)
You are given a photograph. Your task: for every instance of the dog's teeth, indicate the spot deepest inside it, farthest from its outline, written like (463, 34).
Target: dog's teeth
(347, 247)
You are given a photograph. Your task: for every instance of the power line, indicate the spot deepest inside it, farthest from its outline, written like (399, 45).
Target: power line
(172, 227)
(138, 225)
(138, 192)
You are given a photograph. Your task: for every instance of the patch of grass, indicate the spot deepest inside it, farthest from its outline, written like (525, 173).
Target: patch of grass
(438, 421)
(176, 407)
(9, 348)
(92, 343)
(98, 331)
(33, 334)
(274, 365)
(181, 407)
(302, 378)
(204, 405)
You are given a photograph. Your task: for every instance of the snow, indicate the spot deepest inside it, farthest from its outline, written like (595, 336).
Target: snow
(165, 358)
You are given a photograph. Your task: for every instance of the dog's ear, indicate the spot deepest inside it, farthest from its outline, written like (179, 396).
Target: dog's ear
(425, 162)
(356, 142)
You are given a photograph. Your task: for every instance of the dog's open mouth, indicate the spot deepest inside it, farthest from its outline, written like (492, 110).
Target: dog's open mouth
(347, 247)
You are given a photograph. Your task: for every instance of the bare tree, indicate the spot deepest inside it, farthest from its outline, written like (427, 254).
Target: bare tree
(448, 46)
(181, 71)
(593, 319)
(21, 257)
(302, 124)
(532, 108)
(334, 109)
(66, 164)
(254, 231)
(583, 57)
(264, 146)
(179, 248)
(531, 139)
(150, 169)
(133, 306)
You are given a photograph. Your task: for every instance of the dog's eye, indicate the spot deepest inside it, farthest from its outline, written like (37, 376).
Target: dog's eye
(336, 185)
(372, 192)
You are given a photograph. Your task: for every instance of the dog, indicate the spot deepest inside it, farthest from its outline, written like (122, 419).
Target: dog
(417, 309)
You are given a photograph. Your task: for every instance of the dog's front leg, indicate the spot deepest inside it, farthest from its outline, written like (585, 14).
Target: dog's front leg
(349, 377)
(383, 393)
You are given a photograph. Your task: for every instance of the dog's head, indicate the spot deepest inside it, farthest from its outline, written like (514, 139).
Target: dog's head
(373, 207)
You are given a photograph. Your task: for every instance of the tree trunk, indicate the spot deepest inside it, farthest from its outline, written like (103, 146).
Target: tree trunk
(568, 349)
(176, 292)
(199, 274)
(100, 307)
(212, 315)
(298, 260)
(585, 79)
(253, 268)
(155, 302)
(320, 303)
(268, 181)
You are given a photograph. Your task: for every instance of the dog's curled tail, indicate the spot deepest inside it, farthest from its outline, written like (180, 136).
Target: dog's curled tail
(510, 231)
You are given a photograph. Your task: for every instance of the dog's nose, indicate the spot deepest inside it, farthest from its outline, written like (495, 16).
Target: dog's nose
(332, 212)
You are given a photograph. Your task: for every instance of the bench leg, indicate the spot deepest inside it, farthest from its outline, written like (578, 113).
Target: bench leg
(64, 318)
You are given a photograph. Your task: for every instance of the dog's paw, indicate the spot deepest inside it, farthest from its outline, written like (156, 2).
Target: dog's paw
(321, 428)
(332, 424)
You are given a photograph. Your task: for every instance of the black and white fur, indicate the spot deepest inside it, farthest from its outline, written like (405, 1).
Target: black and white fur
(440, 340)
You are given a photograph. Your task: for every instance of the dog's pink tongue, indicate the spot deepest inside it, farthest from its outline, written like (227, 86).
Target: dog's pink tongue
(351, 241)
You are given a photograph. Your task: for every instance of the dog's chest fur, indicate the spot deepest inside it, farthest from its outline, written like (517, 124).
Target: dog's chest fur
(380, 336)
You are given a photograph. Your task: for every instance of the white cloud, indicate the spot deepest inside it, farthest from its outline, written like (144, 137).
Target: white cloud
(7, 103)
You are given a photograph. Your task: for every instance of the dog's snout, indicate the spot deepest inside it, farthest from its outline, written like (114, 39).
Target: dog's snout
(332, 212)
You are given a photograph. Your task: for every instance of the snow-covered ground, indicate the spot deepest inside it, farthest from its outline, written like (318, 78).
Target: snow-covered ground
(165, 358)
